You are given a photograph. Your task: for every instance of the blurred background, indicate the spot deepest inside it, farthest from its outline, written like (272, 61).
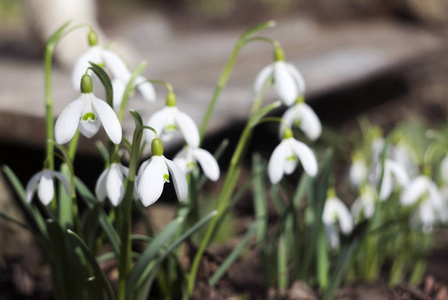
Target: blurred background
(386, 59)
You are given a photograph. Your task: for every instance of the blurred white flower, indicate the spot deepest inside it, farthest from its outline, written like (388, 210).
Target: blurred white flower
(144, 87)
(110, 183)
(87, 113)
(188, 157)
(288, 81)
(358, 171)
(302, 116)
(444, 170)
(286, 156)
(365, 203)
(403, 155)
(423, 189)
(334, 212)
(45, 188)
(393, 172)
(169, 120)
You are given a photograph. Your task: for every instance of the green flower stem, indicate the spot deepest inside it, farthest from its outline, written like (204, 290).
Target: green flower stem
(168, 86)
(243, 40)
(124, 264)
(229, 184)
(129, 88)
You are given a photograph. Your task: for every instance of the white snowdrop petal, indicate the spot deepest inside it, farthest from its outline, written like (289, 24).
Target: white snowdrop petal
(116, 65)
(81, 66)
(68, 122)
(344, 217)
(89, 128)
(118, 87)
(290, 115)
(46, 187)
(333, 236)
(31, 186)
(179, 180)
(157, 121)
(146, 89)
(290, 165)
(306, 157)
(310, 123)
(329, 211)
(398, 171)
(357, 173)
(109, 120)
(297, 77)
(284, 83)
(261, 78)
(208, 163)
(426, 213)
(114, 184)
(100, 187)
(150, 185)
(141, 170)
(386, 185)
(188, 128)
(277, 162)
(413, 191)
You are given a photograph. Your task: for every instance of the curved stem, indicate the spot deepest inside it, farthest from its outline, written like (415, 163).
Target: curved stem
(164, 83)
(226, 73)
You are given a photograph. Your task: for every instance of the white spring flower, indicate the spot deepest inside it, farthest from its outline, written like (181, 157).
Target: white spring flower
(365, 203)
(188, 158)
(334, 212)
(393, 173)
(153, 174)
(288, 81)
(110, 184)
(423, 189)
(169, 120)
(405, 157)
(87, 113)
(45, 187)
(286, 156)
(358, 171)
(106, 58)
(302, 116)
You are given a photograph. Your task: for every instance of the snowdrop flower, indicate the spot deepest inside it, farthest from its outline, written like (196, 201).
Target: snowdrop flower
(365, 203)
(424, 189)
(117, 66)
(169, 120)
(186, 159)
(110, 183)
(358, 171)
(285, 157)
(403, 155)
(87, 113)
(302, 116)
(44, 181)
(153, 174)
(288, 81)
(336, 211)
(392, 170)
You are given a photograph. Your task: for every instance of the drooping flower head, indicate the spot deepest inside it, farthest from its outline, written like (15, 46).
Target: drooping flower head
(169, 120)
(87, 113)
(44, 182)
(302, 115)
(365, 203)
(110, 60)
(334, 212)
(358, 170)
(188, 158)
(393, 175)
(424, 191)
(153, 174)
(110, 183)
(286, 156)
(288, 81)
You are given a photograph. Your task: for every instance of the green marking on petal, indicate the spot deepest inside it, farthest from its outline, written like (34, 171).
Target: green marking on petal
(89, 117)
(292, 157)
(166, 177)
(171, 127)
